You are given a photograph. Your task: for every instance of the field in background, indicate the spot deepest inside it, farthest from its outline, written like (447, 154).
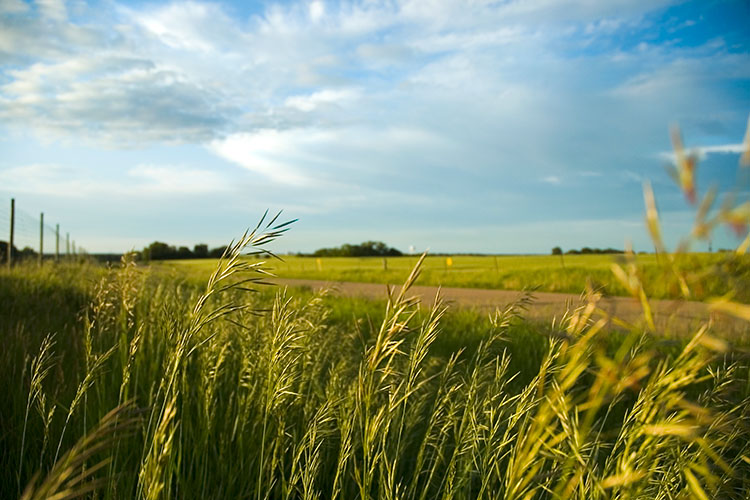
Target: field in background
(708, 274)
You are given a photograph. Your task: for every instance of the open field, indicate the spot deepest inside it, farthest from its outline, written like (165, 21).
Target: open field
(707, 274)
(162, 382)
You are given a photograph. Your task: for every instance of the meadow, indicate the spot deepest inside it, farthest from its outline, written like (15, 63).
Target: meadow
(160, 382)
(201, 380)
(707, 274)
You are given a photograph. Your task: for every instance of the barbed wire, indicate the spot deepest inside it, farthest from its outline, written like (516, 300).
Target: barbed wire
(4, 220)
(29, 232)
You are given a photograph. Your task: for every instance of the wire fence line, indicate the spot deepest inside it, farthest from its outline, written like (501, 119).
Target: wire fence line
(32, 236)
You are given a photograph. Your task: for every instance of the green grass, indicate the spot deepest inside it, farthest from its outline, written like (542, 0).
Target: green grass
(708, 274)
(165, 382)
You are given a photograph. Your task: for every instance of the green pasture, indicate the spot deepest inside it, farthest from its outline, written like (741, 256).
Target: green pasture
(172, 381)
(707, 274)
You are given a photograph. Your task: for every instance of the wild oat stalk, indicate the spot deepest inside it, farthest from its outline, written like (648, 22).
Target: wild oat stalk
(280, 380)
(88, 381)
(405, 401)
(68, 477)
(40, 368)
(375, 379)
(158, 451)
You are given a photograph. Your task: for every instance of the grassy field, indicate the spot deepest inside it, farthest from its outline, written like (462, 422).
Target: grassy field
(165, 382)
(707, 274)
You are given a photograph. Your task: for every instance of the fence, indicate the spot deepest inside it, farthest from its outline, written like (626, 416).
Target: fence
(29, 237)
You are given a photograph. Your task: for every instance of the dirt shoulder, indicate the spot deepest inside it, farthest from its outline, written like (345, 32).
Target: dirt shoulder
(671, 316)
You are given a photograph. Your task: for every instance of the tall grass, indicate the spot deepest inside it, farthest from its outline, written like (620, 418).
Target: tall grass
(128, 384)
(290, 404)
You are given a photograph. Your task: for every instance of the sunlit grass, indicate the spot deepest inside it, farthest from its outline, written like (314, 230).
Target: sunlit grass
(265, 395)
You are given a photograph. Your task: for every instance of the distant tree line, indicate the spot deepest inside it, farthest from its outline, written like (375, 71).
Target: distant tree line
(25, 253)
(366, 249)
(159, 250)
(585, 250)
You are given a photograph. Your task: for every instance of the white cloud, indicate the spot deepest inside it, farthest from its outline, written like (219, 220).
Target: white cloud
(579, 10)
(271, 153)
(13, 6)
(722, 149)
(631, 176)
(190, 26)
(705, 151)
(669, 74)
(317, 10)
(472, 39)
(325, 158)
(115, 100)
(191, 72)
(52, 9)
(603, 25)
(381, 55)
(322, 97)
(655, 83)
(53, 179)
(177, 179)
(552, 179)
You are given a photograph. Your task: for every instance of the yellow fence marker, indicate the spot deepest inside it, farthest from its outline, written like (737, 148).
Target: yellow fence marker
(319, 263)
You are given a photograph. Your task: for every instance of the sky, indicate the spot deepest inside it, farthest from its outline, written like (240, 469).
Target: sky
(456, 126)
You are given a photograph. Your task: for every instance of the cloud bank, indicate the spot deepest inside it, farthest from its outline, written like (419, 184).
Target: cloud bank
(379, 106)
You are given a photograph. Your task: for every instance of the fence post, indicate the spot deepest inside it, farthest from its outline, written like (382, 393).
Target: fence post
(41, 238)
(57, 243)
(67, 244)
(12, 230)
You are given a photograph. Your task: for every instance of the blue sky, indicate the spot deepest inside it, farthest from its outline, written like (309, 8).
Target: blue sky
(460, 126)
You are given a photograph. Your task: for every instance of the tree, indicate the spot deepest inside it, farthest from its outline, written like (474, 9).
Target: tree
(159, 250)
(217, 252)
(26, 253)
(557, 251)
(200, 251)
(184, 253)
(4, 251)
(365, 249)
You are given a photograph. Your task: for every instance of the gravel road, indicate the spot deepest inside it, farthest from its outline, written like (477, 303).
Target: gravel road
(671, 316)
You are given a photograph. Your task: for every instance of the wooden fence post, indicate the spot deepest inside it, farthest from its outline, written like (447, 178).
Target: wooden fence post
(12, 230)
(41, 238)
